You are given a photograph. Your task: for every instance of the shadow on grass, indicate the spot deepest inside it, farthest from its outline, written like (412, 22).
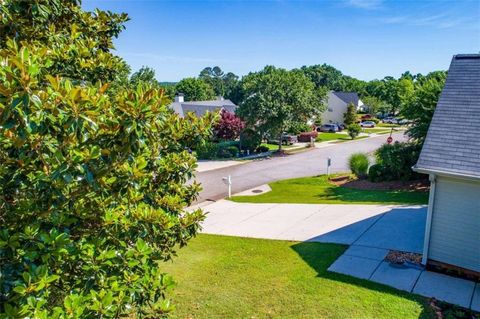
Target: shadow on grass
(381, 196)
(319, 256)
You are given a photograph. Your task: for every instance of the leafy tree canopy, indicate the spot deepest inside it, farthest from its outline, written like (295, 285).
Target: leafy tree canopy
(195, 89)
(350, 117)
(144, 75)
(222, 83)
(276, 98)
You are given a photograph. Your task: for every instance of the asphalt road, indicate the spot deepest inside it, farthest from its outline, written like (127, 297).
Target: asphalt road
(309, 163)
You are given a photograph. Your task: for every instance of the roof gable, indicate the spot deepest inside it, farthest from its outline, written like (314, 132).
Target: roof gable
(348, 97)
(452, 144)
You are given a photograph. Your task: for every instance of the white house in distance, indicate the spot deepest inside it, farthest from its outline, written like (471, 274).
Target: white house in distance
(337, 106)
(452, 159)
(199, 108)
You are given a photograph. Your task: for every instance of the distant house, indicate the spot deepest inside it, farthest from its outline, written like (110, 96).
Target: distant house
(451, 156)
(337, 106)
(199, 108)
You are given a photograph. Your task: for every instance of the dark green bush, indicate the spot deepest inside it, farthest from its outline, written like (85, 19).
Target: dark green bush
(262, 149)
(358, 163)
(375, 173)
(233, 150)
(396, 161)
(207, 150)
(250, 140)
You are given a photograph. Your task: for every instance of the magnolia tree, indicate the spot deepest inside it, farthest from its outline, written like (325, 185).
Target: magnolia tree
(93, 185)
(229, 126)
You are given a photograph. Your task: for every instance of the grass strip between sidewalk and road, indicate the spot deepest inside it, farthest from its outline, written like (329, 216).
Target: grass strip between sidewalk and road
(232, 277)
(319, 190)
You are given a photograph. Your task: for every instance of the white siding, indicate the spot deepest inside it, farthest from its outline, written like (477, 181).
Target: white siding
(336, 108)
(455, 230)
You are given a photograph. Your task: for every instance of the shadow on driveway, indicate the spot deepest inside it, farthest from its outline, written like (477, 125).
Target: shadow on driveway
(313, 253)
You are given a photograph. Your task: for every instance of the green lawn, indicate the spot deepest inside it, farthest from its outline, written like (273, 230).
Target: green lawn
(231, 277)
(318, 190)
(379, 130)
(323, 137)
(274, 147)
(387, 125)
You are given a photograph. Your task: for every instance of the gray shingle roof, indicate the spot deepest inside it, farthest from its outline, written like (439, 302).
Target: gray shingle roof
(452, 144)
(348, 97)
(201, 107)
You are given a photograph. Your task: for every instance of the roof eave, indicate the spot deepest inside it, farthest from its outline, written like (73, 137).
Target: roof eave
(445, 173)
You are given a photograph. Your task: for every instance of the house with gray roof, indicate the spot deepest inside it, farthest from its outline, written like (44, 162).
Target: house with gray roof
(337, 106)
(199, 108)
(451, 157)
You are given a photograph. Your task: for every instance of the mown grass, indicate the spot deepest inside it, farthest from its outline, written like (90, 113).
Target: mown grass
(231, 277)
(318, 190)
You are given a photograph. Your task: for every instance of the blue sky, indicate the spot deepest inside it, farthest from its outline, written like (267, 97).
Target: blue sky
(366, 39)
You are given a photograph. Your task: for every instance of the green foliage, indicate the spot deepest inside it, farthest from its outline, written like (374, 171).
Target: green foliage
(358, 164)
(421, 107)
(376, 105)
(60, 25)
(195, 89)
(350, 117)
(395, 162)
(299, 127)
(262, 149)
(376, 173)
(250, 140)
(277, 98)
(92, 185)
(222, 83)
(145, 75)
(354, 130)
(206, 150)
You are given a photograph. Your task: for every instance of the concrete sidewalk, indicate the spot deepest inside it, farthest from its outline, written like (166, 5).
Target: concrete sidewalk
(380, 226)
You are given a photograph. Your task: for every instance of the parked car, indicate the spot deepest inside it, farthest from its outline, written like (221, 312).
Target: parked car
(403, 122)
(287, 139)
(390, 120)
(332, 128)
(367, 124)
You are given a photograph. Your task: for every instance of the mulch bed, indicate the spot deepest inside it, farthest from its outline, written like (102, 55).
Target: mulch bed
(443, 310)
(422, 185)
(400, 257)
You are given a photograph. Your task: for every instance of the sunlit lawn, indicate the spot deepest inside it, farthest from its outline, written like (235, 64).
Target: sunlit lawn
(318, 190)
(231, 277)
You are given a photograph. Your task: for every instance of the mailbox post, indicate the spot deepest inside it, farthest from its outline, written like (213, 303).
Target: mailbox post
(329, 163)
(228, 181)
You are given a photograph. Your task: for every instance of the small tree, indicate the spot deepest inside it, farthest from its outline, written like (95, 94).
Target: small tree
(354, 130)
(195, 89)
(229, 126)
(350, 117)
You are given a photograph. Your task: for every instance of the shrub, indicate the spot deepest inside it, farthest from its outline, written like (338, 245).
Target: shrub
(375, 173)
(207, 150)
(233, 150)
(350, 116)
(250, 140)
(354, 130)
(358, 163)
(228, 126)
(306, 136)
(262, 149)
(226, 144)
(397, 160)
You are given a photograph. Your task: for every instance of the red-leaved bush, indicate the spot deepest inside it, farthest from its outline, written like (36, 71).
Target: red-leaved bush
(229, 126)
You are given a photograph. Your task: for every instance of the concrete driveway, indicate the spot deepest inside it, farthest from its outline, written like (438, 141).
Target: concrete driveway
(380, 226)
